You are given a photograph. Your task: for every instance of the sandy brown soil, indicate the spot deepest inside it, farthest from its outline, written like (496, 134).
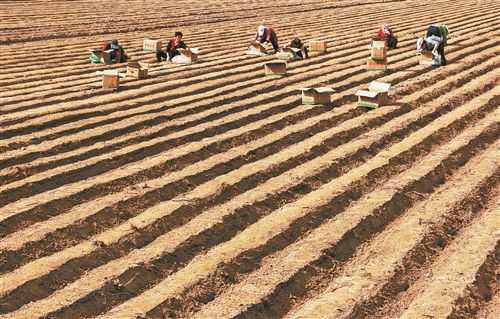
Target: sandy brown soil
(208, 191)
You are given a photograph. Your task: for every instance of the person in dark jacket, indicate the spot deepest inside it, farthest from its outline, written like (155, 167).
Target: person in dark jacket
(267, 35)
(296, 43)
(117, 53)
(172, 49)
(436, 37)
(434, 41)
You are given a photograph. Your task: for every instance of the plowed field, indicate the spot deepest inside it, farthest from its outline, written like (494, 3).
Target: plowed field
(210, 191)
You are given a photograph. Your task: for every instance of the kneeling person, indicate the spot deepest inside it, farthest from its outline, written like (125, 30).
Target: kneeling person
(173, 47)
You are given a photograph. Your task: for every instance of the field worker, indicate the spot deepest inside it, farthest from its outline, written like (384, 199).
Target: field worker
(434, 41)
(296, 43)
(386, 34)
(117, 53)
(173, 47)
(267, 35)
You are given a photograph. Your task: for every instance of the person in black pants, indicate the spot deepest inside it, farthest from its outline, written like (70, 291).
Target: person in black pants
(172, 48)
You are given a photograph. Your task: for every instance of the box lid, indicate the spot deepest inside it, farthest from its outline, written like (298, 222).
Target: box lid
(110, 72)
(319, 90)
(364, 93)
(294, 50)
(380, 87)
(378, 43)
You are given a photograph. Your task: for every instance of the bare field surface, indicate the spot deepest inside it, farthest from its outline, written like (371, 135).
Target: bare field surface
(209, 191)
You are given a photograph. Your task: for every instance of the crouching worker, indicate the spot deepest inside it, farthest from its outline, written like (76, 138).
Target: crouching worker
(434, 41)
(296, 43)
(267, 35)
(173, 47)
(386, 34)
(116, 51)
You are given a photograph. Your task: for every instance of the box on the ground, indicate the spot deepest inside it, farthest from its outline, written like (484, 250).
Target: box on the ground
(321, 95)
(136, 71)
(275, 68)
(288, 54)
(151, 45)
(376, 65)
(317, 46)
(257, 49)
(426, 58)
(378, 49)
(110, 79)
(377, 95)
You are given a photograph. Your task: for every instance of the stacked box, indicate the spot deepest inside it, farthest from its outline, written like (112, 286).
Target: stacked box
(376, 65)
(379, 50)
(378, 58)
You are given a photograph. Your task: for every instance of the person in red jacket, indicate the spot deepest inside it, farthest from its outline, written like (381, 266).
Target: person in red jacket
(267, 35)
(173, 47)
(385, 33)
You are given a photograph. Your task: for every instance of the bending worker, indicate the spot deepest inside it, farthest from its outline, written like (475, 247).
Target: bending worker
(267, 35)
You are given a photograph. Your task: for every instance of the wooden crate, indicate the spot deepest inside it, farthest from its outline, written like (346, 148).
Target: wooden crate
(378, 50)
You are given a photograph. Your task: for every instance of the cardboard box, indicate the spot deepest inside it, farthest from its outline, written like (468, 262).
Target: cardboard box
(106, 57)
(317, 46)
(151, 45)
(288, 54)
(376, 65)
(110, 79)
(377, 95)
(426, 58)
(315, 96)
(275, 68)
(136, 71)
(378, 50)
(257, 49)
